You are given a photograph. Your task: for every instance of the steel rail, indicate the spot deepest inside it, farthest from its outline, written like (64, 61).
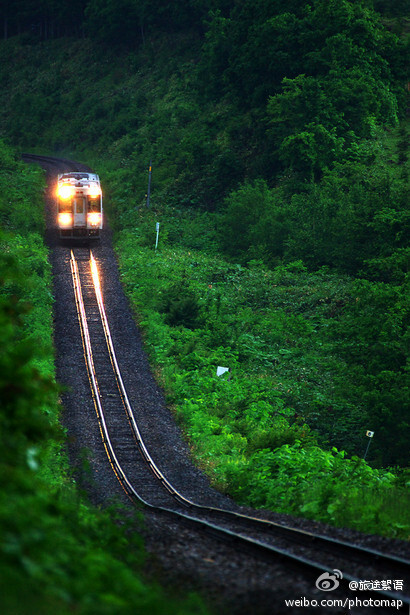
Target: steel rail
(294, 533)
(251, 543)
(122, 477)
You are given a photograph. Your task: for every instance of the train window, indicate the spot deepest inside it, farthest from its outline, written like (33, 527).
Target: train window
(65, 206)
(94, 205)
(79, 206)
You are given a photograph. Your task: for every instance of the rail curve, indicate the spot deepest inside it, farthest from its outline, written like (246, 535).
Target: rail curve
(251, 533)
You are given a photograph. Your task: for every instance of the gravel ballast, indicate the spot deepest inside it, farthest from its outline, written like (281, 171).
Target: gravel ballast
(181, 558)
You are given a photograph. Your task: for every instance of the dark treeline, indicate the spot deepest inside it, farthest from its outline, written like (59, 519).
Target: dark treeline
(116, 21)
(42, 20)
(124, 21)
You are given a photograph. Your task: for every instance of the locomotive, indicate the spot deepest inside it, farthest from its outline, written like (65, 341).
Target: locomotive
(79, 205)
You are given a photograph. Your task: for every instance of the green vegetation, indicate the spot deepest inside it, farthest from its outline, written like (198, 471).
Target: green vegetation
(279, 139)
(57, 554)
(270, 433)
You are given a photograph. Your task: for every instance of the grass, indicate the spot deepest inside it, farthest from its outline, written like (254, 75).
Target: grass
(285, 406)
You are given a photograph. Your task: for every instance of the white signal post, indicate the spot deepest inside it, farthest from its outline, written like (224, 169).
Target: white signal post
(370, 435)
(156, 242)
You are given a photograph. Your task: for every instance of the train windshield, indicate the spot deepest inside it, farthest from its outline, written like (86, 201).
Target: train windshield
(94, 204)
(77, 176)
(65, 206)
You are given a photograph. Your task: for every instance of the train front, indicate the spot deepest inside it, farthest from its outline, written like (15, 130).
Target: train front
(79, 205)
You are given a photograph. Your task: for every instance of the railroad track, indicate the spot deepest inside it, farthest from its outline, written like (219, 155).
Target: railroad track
(47, 161)
(146, 485)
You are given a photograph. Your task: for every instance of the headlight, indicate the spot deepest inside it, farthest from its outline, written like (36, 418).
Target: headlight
(65, 219)
(94, 218)
(65, 191)
(95, 190)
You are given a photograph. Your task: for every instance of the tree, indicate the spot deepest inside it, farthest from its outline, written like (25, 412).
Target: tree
(114, 22)
(255, 224)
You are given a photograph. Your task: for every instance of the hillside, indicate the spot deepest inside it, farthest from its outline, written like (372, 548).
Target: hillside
(279, 139)
(290, 167)
(279, 144)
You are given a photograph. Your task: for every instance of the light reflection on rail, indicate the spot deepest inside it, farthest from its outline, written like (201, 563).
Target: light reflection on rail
(96, 277)
(119, 472)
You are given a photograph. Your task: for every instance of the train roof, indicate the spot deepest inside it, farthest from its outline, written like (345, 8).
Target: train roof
(77, 177)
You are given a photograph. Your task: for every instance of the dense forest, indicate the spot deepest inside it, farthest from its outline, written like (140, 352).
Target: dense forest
(279, 139)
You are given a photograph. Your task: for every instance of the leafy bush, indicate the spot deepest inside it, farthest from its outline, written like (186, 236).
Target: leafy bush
(288, 387)
(180, 305)
(355, 220)
(321, 485)
(254, 225)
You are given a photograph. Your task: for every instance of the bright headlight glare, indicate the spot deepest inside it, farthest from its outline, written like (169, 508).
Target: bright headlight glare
(65, 219)
(94, 218)
(94, 191)
(65, 191)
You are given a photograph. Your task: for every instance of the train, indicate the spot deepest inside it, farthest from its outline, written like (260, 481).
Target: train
(79, 205)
